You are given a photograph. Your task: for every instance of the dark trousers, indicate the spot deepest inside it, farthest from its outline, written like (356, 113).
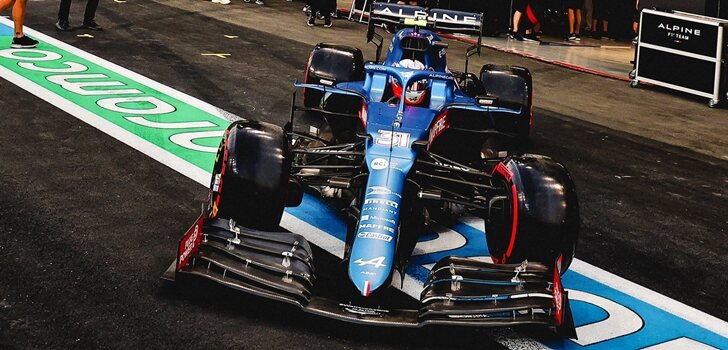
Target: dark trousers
(325, 7)
(88, 16)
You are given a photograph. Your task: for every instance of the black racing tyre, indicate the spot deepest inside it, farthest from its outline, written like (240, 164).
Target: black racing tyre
(539, 218)
(250, 175)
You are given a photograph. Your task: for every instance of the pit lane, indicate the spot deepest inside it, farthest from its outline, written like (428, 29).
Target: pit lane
(88, 224)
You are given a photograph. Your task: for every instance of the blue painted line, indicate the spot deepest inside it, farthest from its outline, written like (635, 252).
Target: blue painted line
(6, 31)
(321, 214)
(588, 313)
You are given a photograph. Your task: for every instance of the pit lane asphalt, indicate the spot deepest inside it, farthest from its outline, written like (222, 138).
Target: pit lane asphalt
(87, 225)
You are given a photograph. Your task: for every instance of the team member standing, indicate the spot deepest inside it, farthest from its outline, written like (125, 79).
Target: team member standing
(575, 7)
(20, 41)
(323, 7)
(532, 11)
(88, 17)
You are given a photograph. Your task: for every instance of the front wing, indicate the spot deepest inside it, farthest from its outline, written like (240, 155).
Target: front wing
(459, 291)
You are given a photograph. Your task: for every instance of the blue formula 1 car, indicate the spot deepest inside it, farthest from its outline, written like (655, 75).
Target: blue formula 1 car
(394, 146)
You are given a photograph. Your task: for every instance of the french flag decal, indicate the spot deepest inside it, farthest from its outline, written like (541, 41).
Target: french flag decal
(367, 288)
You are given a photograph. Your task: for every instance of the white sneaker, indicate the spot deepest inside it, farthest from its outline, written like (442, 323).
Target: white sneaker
(216, 1)
(259, 2)
(224, 2)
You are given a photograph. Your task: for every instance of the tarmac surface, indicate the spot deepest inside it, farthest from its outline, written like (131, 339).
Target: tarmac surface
(87, 225)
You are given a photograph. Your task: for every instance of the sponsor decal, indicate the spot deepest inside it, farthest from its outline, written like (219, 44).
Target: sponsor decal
(440, 124)
(376, 262)
(374, 67)
(386, 202)
(435, 15)
(377, 226)
(379, 164)
(364, 311)
(216, 183)
(386, 210)
(558, 294)
(454, 167)
(381, 190)
(377, 218)
(441, 76)
(375, 235)
(189, 243)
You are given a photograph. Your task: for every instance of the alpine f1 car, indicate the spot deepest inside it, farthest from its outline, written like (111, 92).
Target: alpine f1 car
(403, 143)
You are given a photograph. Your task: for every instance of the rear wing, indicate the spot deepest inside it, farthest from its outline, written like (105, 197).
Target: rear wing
(437, 19)
(440, 20)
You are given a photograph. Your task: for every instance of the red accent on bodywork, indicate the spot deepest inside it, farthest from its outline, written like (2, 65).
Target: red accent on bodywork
(514, 225)
(508, 175)
(558, 300)
(190, 243)
(503, 170)
(363, 114)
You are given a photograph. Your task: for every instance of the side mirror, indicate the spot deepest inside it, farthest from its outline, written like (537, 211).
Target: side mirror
(492, 101)
(488, 101)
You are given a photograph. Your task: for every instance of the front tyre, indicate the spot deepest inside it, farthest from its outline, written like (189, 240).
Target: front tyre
(250, 175)
(537, 218)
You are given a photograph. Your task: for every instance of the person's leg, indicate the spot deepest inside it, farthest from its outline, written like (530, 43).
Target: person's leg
(327, 12)
(516, 20)
(571, 20)
(5, 4)
(315, 8)
(20, 41)
(19, 17)
(90, 14)
(64, 10)
(577, 29)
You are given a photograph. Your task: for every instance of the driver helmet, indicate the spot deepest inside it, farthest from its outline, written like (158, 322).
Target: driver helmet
(417, 90)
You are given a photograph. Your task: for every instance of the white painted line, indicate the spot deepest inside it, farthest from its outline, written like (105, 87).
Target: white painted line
(681, 344)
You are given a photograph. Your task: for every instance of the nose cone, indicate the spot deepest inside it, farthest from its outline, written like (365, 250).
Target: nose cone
(368, 274)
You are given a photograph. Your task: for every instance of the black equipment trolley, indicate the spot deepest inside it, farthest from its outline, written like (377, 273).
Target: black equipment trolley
(684, 52)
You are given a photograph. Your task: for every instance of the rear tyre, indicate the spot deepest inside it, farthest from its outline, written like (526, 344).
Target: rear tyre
(538, 218)
(250, 175)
